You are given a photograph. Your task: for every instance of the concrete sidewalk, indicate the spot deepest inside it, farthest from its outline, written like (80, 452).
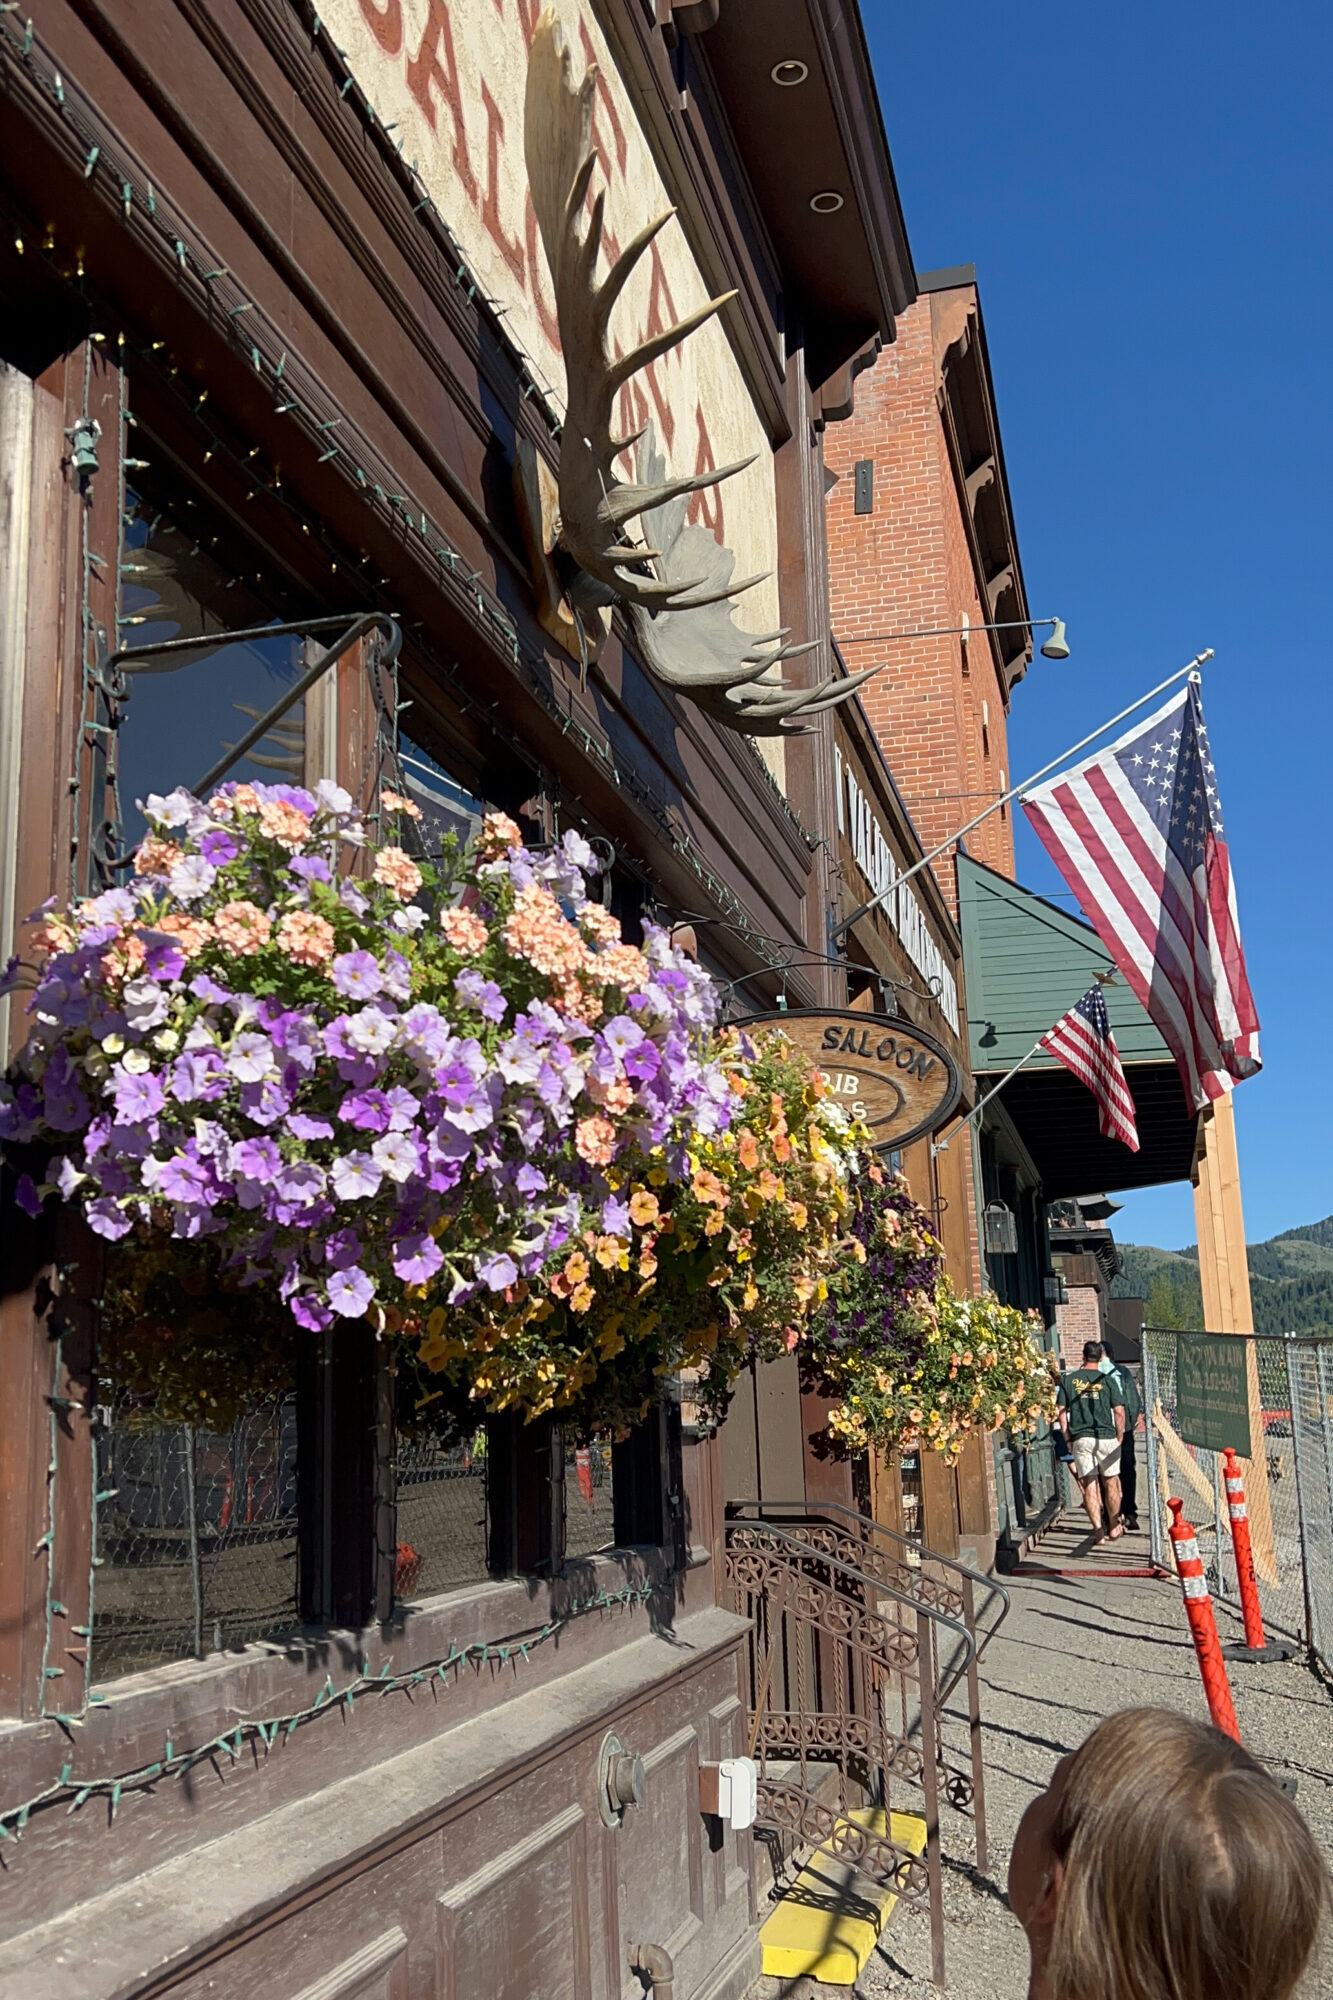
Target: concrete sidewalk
(1073, 1649)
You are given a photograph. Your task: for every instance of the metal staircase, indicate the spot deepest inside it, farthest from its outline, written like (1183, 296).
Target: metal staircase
(859, 1637)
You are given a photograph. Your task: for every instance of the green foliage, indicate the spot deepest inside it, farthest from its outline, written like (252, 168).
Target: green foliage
(1291, 1282)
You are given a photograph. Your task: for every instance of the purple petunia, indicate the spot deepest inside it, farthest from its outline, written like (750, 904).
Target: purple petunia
(356, 975)
(497, 1272)
(476, 991)
(306, 1128)
(107, 1218)
(417, 1258)
(219, 846)
(138, 1098)
(350, 1292)
(310, 868)
(355, 1177)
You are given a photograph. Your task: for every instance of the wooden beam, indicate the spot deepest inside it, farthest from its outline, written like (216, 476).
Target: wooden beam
(1224, 1277)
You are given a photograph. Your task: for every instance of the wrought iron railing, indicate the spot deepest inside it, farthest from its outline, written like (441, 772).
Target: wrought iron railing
(858, 1638)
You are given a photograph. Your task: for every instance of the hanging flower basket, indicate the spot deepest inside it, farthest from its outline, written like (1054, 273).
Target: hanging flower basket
(911, 1362)
(444, 1097)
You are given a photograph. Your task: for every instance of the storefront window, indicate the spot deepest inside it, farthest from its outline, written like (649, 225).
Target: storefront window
(185, 710)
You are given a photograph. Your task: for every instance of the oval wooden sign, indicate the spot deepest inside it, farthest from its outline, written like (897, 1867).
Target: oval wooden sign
(897, 1080)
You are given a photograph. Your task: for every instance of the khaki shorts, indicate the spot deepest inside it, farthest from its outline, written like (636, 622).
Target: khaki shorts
(1095, 1457)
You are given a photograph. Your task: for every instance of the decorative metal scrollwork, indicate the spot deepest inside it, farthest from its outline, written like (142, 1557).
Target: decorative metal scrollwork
(808, 1821)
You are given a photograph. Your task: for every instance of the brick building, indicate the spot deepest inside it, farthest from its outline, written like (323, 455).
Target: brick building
(921, 537)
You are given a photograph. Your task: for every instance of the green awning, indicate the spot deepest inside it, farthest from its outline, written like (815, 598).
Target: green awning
(1026, 962)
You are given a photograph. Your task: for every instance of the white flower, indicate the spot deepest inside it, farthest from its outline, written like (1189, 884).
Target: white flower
(410, 919)
(144, 1003)
(112, 1044)
(250, 1058)
(166, 1039)
(191, 878)
(397, 1155)
(355, 1177)
(332, 797)
(136, 1062)
(176, 809)
(371, 1031)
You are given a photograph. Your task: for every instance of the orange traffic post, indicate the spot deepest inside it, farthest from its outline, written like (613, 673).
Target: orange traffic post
(1256, 1646)
(1203, 1626)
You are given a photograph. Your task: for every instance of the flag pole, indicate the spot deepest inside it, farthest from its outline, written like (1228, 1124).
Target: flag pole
(938, 1146)
(836, 936)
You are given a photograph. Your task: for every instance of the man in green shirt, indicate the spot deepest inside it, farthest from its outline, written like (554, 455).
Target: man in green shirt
(1092, 1417)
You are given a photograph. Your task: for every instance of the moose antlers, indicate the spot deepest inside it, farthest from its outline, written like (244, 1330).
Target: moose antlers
(677, 588)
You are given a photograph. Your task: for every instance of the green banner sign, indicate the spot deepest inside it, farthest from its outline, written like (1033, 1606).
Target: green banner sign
(1212, 1392)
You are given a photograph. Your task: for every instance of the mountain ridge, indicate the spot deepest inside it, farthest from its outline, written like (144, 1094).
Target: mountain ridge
(1291, 1281)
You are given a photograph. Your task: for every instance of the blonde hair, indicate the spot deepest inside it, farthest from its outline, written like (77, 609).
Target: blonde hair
(1188, 1874)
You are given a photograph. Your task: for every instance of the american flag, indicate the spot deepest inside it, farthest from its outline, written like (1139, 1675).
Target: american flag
(1136, 831)
(1083, 1042)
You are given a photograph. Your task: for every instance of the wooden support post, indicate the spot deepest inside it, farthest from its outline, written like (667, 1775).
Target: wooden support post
(1224, 1277)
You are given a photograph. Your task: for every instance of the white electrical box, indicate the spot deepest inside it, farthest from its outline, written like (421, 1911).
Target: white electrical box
(731, 1790)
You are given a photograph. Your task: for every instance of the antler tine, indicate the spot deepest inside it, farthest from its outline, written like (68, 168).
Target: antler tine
(627, 501)
(639, 357)
(687, 600)
(620, 272)
(588, 250)
(578, 194)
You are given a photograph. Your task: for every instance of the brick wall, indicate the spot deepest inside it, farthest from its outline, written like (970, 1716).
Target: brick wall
(1080, 1320)
(938, 707)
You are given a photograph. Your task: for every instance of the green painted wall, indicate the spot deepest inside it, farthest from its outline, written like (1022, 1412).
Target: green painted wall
(1026, 962)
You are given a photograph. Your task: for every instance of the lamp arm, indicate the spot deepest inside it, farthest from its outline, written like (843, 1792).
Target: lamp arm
(943, 631)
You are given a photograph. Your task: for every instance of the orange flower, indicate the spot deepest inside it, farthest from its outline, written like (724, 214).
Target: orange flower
(577, 1268)
(769, 1186)
(611, 1253)
(465, 931)
(748, 1150)
(595, 1140)
(245, 799)
(242, 927)
(598, 924)
(191, 933)
(643, 1208)
(621, 965)
(707, 1187)
(156, 857)
(498, 834)
(581, 1298)
(539, 931)
(284, 823)
(799, 1214)
(306, 938)
(394, 802)
(616, 1096)
(647, 1259)
(397, 871)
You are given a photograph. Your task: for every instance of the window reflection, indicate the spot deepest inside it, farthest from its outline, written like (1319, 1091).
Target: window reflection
(183, 712)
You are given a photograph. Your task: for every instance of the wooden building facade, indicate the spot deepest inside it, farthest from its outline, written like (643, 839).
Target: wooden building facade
(312, 1708)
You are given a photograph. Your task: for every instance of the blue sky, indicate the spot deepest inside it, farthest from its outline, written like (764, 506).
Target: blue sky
(1146, 193)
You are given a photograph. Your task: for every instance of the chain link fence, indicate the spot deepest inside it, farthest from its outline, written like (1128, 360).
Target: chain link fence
(196, 1536)
(441, 1493)
(590, 1514)
(1288, 1482)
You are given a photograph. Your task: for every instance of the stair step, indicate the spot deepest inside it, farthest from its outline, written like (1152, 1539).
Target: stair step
(828, 1922)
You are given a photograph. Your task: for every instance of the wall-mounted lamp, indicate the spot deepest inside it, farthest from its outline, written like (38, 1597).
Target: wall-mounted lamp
(1055, 648)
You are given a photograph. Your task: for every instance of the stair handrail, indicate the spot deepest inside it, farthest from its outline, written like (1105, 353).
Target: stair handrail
(864, 1579)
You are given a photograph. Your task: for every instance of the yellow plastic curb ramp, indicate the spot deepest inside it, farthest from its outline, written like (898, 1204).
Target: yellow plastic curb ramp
(827, 1923)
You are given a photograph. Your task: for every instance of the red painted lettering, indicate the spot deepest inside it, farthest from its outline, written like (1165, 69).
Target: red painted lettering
(706, 506)
(537, 271)
(427, 73)
(385, 24)
(510, 249)
(604, 113)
